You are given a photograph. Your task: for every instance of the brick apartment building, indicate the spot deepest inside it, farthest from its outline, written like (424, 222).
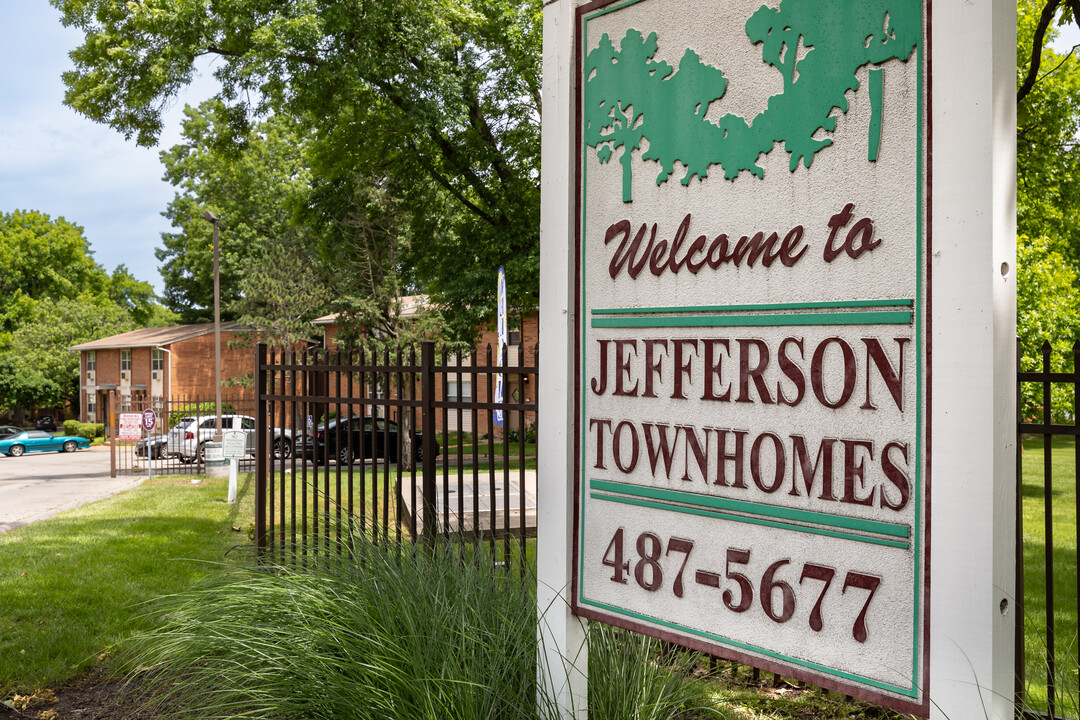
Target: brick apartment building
(524, 338)
(151, 364)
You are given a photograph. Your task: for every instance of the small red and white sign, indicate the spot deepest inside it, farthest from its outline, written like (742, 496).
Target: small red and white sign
(130, 426)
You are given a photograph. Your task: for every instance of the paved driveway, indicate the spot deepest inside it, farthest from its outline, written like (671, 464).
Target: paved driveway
(39, 485)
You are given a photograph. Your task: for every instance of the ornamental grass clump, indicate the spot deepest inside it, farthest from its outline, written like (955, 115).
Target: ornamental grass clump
(375, 632)
(634, 677)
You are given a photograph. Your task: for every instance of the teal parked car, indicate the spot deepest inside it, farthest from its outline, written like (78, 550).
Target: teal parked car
(41, 441)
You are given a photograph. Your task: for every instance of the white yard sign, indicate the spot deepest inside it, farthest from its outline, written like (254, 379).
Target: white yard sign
(754, 358)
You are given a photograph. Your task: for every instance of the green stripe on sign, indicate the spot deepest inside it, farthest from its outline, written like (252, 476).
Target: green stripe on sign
(910, 692)
(900, 302)
(720, 515)
(885, 317)
(752, 508)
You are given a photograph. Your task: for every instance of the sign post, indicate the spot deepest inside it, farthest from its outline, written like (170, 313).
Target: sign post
(149, 422)
(768, 237)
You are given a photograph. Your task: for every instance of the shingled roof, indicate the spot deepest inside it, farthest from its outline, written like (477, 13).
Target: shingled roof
(157, 336)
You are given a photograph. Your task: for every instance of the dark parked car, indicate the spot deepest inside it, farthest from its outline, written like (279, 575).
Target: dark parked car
(360, 438)
(46, 423)
(157, 445)
(9, 430)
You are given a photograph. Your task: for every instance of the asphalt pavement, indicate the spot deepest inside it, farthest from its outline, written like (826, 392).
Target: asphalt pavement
(39, 485)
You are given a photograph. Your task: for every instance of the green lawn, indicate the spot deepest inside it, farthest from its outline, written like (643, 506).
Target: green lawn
(73, 586)
(1064, 565)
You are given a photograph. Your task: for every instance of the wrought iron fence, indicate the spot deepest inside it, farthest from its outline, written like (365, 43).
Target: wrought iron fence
(403, 445)
(177, 444)
(1041, 424)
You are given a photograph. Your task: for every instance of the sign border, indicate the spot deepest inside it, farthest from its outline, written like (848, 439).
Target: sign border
(820, 675)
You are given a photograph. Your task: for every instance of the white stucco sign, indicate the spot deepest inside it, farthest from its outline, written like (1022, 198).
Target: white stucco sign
(753, 358)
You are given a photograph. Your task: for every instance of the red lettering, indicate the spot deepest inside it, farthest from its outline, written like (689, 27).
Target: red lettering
(713, 369)
(622, 367)
(817, 372)
(895, 475)
(893, 378)
(755, 462)
(599, 425)
(662, 448)
(792, 371)
(653, 366)
(854, 472)
(747, 373)
(722, 457)
(616, 446)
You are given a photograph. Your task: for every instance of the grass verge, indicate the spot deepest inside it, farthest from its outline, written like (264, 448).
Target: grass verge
(1063, 509)
(71, 586)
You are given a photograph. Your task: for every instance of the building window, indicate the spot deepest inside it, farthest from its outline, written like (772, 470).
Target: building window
(91, 361)
(157, 360)
(125, 402)
(125, 361)
(91, 406)
(459, 390)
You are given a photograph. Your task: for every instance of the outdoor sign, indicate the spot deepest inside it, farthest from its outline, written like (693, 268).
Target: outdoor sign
(504, 340)
(234, 444)
(753, 358)
(131, 426)
(149, 420)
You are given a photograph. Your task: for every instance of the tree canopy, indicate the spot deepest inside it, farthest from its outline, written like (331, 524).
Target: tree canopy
(440, 100)
(1047, 198)
(53, 295)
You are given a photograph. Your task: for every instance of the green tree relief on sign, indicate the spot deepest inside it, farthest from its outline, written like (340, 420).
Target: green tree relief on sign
(629, 96)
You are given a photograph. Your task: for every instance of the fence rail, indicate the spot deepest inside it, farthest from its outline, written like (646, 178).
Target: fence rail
(372, 449)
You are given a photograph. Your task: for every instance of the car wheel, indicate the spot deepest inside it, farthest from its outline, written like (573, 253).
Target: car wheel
(202, 453)
(70, 446)
(419, 451)
(16, 450)
(345, 456)
(282, 448)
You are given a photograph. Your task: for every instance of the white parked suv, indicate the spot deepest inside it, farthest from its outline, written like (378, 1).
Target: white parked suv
(190, 444)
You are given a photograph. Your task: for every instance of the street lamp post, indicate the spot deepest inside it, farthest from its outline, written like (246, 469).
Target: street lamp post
(217, 328)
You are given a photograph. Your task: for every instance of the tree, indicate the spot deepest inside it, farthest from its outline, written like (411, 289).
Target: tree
(253, 187)
(42, 258)
(136, 297)
(442, 97)
(1043, 17)
(1047, 203)
(37, 368)
(53, 295)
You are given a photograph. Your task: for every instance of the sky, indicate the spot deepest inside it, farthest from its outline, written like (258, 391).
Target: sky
(57, 162)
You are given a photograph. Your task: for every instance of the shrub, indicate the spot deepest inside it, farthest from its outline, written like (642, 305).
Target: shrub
(194, 409)
(88, 430)
(375, 633)
(71, 427)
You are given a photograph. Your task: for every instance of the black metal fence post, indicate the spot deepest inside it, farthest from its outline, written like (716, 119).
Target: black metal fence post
(262, 448)
(427, 392)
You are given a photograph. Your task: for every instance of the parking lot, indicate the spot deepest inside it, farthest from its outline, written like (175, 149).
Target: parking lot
(40, 485)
